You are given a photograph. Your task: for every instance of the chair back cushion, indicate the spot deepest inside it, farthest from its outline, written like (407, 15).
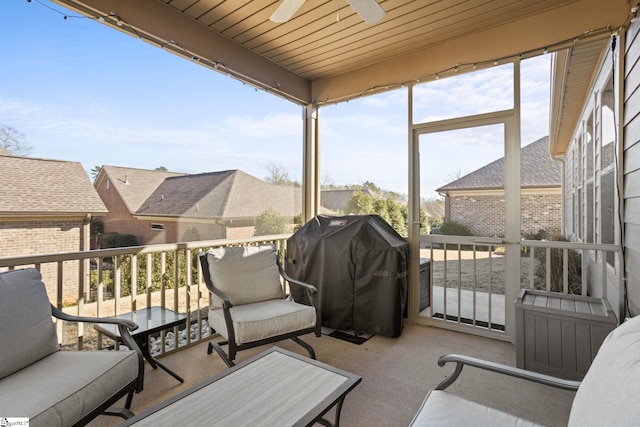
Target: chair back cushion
(608, 394)
(245, 274)
(27, 332)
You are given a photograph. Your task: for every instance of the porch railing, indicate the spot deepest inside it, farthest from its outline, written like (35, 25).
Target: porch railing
(119, 280)
(108, 282)
(467, 283)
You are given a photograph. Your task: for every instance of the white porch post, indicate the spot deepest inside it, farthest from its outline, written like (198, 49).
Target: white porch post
(311, 163)
(512, 207)
(413, 219)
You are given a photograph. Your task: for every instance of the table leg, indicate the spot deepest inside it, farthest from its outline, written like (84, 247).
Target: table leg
(327, 423)
(144, 346)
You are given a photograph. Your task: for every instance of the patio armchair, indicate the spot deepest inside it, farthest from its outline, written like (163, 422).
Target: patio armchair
(248, 304)
(608, 394)
(49, 386)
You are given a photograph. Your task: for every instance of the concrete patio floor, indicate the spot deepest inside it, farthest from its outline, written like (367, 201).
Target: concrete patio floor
(397, 373)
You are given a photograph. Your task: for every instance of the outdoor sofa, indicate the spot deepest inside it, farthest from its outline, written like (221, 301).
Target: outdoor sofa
(48, 386)
(609, 394)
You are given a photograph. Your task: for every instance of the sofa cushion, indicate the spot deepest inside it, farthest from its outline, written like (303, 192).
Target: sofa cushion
(609, 391)
(26, 335)
(257, 267)
(264, 319)
(443, 409)
(77, 382)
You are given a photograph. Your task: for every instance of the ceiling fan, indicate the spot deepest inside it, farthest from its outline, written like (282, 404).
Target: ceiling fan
(369, 10)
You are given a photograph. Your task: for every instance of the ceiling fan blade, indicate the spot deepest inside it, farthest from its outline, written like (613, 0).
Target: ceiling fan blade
(285, 11)
(369, 10)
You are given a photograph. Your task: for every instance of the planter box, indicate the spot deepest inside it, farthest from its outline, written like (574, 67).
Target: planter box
(560, 334)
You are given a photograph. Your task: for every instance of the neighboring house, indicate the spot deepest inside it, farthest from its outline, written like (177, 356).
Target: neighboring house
(336, 200)
(45, 207)
(164, 207)
(477, 199)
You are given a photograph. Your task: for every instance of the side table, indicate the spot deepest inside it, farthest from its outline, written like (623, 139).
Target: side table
(150, 320)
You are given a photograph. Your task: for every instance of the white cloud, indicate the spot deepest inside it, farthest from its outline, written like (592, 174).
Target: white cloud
(270, 125)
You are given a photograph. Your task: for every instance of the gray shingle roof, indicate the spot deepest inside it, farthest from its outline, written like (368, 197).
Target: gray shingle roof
(30, 185)
(134, 185)
(225, 194)
(538, 169)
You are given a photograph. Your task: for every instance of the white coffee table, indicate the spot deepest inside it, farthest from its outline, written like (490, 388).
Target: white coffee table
(274, 388)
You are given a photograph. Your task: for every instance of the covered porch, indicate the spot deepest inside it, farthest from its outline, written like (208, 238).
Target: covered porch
(325, 55)
(397, 373)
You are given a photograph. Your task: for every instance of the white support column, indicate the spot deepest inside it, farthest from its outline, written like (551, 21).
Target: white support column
(413, 215)
(311, 163)
(512, 207)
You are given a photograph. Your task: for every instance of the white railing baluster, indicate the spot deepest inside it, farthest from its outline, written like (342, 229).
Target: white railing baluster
(565, 270)
(548, 269)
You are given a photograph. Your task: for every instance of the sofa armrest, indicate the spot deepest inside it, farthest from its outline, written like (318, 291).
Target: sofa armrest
(125, 327)
(461, 361)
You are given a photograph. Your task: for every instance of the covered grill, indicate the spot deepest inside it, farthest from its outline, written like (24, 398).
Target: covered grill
(359, 264)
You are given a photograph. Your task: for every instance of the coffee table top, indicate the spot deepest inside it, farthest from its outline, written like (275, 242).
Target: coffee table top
(275, 387)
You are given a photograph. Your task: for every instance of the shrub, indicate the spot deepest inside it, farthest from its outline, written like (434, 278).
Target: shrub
(556, 264)
(453, 228)
(117, 240)
(271, 222)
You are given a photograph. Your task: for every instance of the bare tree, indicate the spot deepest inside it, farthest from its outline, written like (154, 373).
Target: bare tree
(14, 141)
(278, 174)
(454, 175)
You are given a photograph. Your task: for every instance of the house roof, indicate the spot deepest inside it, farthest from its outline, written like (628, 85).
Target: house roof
(133, 185)
(221, 195)
(538, 169)
(572, 75)
(32, 186)
(314, 58)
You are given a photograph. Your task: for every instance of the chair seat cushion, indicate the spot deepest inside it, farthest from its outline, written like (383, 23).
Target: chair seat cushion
(77, 382)
(253, 322)
(443, 409)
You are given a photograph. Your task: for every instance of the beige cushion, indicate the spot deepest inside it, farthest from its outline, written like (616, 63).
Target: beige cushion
(76, 383)
(441, 409)
(264, 319)
(610, 390)
(245, 274)
(27, 333)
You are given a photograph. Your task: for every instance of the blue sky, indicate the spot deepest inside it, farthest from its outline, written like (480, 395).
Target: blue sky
(81, 91)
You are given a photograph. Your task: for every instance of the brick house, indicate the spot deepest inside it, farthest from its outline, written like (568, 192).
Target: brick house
(477, 199)
(165, 207)
(45, 207)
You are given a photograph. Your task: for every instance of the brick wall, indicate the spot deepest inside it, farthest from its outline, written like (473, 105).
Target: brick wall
(35, 237)
(484, 215)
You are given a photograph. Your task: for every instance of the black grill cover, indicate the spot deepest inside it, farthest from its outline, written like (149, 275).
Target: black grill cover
(359, 264)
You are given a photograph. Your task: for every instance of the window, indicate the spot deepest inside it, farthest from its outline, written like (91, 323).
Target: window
(607, 168)
(157, 227)
(588, 148)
